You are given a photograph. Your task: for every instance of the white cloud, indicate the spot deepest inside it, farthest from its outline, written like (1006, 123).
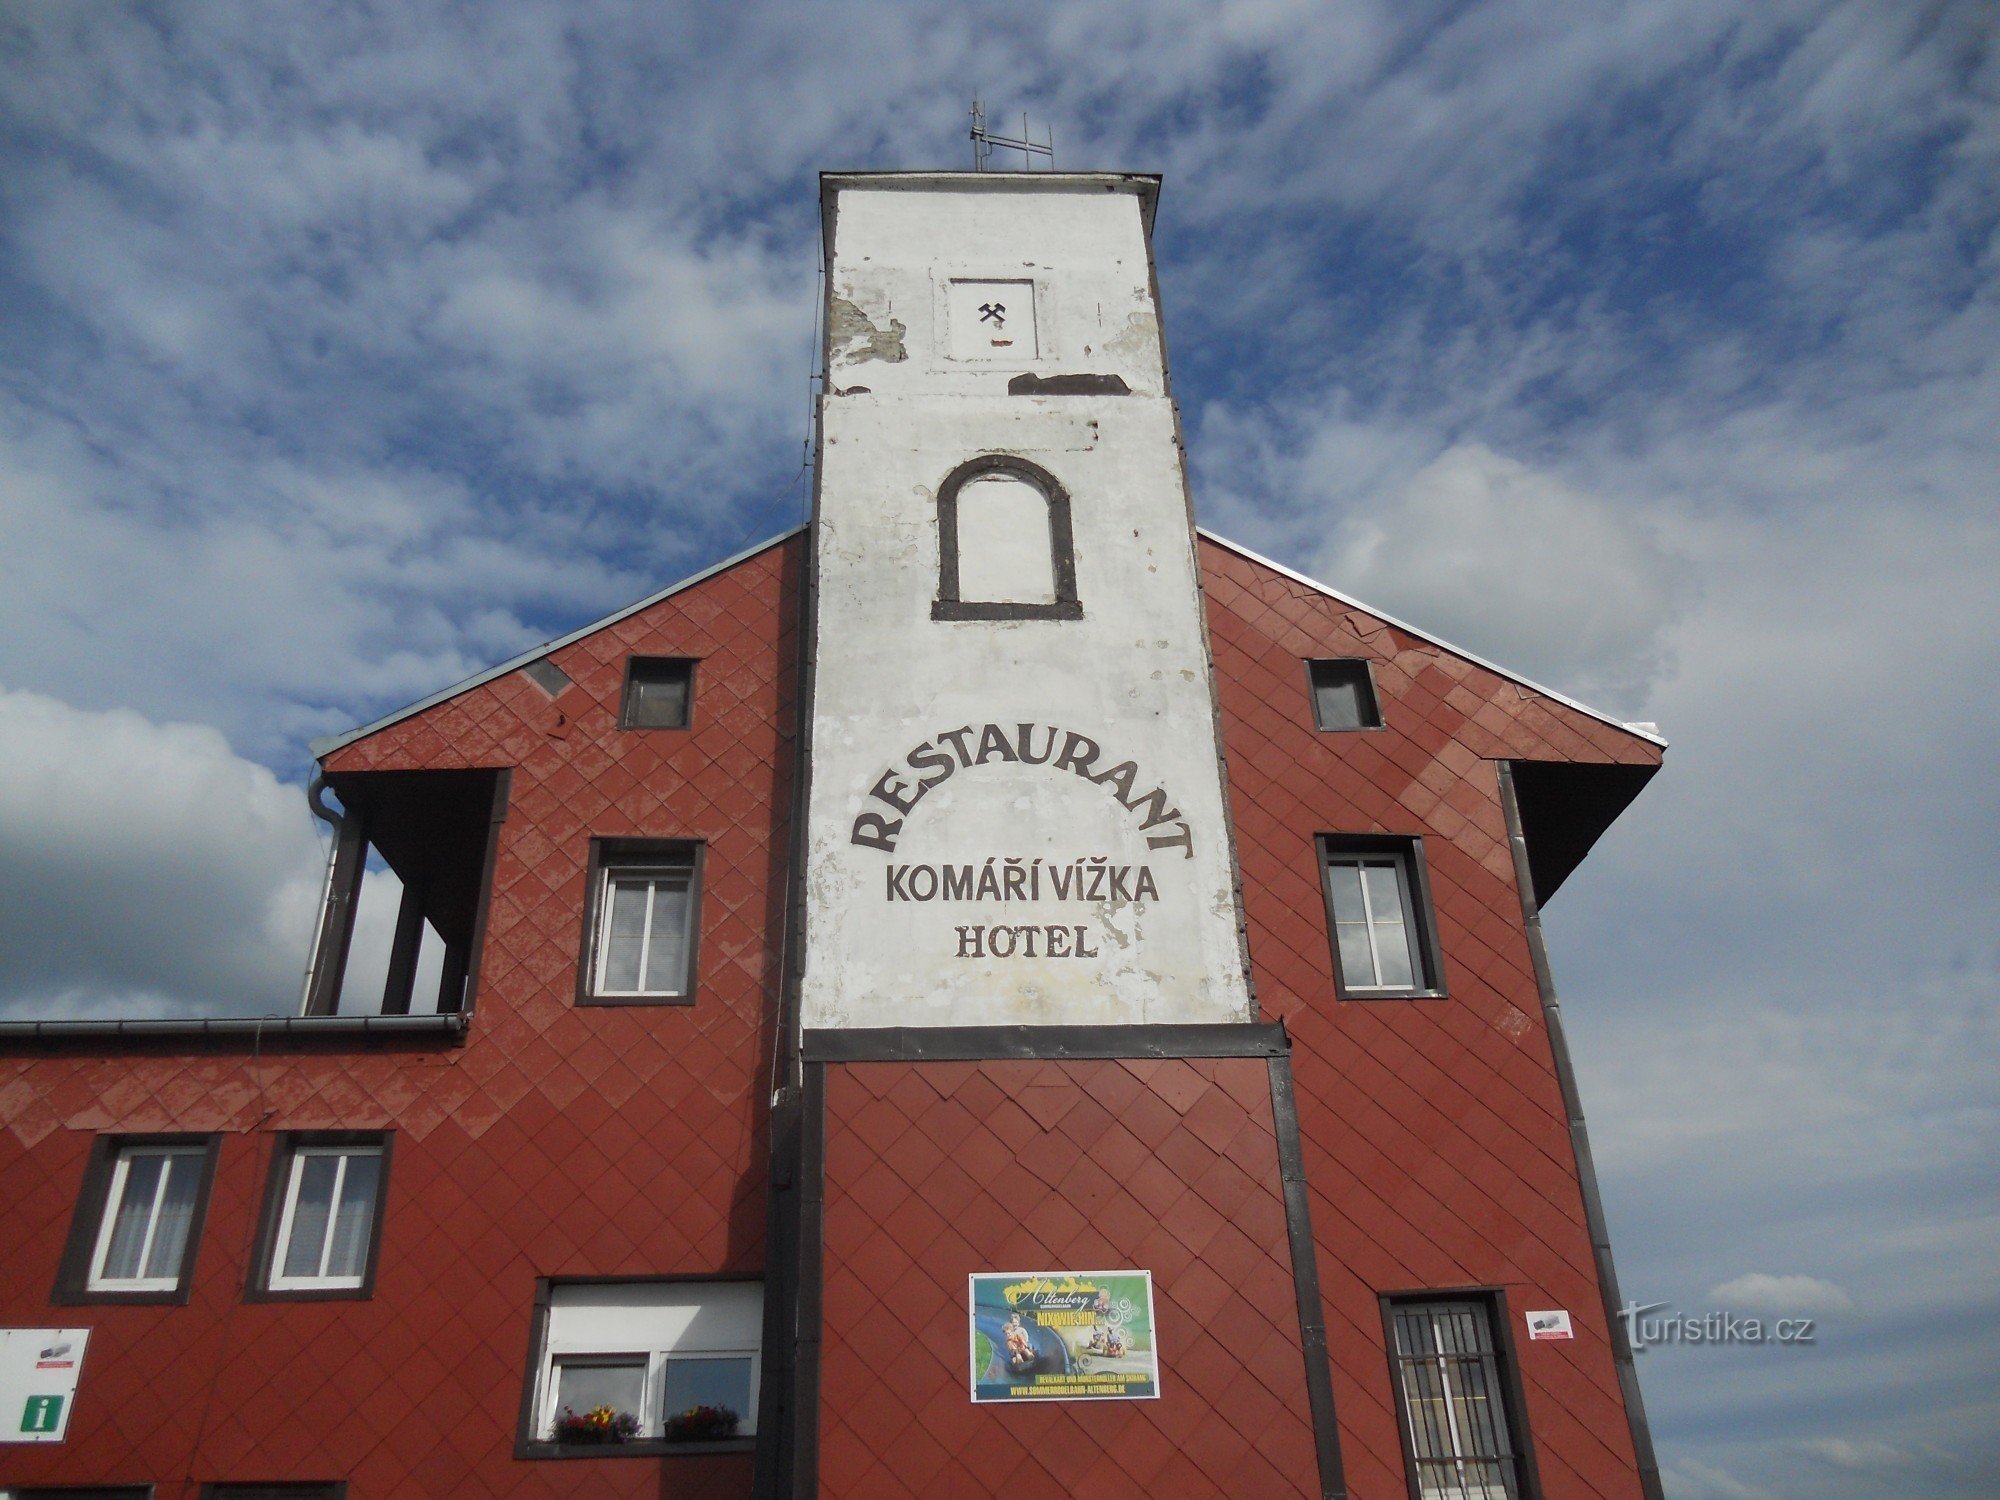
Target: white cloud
(1650, 352)
(151, 871)
(1762, 1292)
(1691, 1479)
(1571, 588)
(146, 866)
(1865, 1456)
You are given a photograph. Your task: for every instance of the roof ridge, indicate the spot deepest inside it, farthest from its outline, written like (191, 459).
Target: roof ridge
(1652, 736)
(326, 745)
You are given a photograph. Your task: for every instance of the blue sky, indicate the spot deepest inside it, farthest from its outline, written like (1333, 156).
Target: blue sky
(1651, 349)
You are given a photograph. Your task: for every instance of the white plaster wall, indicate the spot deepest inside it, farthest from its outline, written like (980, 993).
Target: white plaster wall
(610, 1317)
(1004, 542)
(901, 252)
(1132, 674)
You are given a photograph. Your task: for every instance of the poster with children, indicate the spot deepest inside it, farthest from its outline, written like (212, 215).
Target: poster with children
(1063, 1335)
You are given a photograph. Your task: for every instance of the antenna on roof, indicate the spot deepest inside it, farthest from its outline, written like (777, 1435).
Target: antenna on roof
(983, 142)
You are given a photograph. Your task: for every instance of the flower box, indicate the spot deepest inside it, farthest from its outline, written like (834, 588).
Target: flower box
(599, 1425)
(701, 1424)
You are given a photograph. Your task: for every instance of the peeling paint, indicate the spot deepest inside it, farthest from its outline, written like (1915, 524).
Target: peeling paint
(886, 675)
(848, 324)
(1068, 385)
(1138, 338)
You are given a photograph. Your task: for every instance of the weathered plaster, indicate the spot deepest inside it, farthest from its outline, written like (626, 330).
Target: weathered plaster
(856, 338)
(888, 917)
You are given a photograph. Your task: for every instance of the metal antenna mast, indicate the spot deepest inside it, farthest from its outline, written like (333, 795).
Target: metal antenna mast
(983, 142)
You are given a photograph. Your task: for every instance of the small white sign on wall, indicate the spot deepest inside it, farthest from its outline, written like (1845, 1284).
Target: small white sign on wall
(1552, 1324)
(38, 1372)
(993, 320)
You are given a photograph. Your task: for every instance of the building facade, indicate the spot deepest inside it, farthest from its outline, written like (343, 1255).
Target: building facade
(997, 991)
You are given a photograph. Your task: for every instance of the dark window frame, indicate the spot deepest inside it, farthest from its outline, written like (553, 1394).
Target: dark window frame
(72, 1288)
(277, 1182)
(1421, 914)
(611, 852)
(81, 1491)
(632, 664)
(1062, 543)
(528, 1446)
(1374, 699)
(1508, 1365)
(275, 1489)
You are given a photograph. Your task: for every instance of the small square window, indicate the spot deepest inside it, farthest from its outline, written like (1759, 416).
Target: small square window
(139, 1220)
(323, 1215)
(644, 903)
(1343, 695)
(1452, 1383)
(1378, 908)
(659, 693)
(649, 1351)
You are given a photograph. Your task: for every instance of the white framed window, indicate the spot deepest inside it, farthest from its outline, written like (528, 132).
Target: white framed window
(325, 1235)
(1378, 910)
(150, 1207)
(644, 907)
(649, 1350)
(581, 1383)
(1452, 1400)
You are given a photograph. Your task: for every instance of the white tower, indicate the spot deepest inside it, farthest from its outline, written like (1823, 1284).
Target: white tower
(1016, 811)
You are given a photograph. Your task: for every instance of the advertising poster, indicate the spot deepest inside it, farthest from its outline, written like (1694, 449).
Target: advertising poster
(1064, 1336)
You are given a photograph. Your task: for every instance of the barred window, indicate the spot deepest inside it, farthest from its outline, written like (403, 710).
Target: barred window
(1456, 1430)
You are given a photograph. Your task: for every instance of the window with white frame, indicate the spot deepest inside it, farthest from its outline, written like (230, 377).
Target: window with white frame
(644, 904)
(150, 1207)
(324, 1238)
(1457, 1435)
(650, 1350)
(1379, 912)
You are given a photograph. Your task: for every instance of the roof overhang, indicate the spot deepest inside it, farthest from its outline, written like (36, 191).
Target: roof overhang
(1566, 807)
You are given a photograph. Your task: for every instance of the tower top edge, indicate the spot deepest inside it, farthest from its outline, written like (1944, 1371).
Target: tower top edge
(1145, 186)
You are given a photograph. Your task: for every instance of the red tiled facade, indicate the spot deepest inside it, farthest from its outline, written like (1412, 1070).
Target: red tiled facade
(1435, 1140)
(558, 1141)
(935, 1171)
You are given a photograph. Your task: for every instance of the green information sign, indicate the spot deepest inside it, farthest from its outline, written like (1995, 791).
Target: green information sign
(1063, 1335)
(42, 1414)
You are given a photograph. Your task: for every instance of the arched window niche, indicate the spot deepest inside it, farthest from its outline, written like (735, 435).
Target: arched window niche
(1004, 544)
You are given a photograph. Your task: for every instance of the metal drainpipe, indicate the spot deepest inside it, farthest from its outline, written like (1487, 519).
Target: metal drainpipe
(1586, 1169)
(316, 800)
